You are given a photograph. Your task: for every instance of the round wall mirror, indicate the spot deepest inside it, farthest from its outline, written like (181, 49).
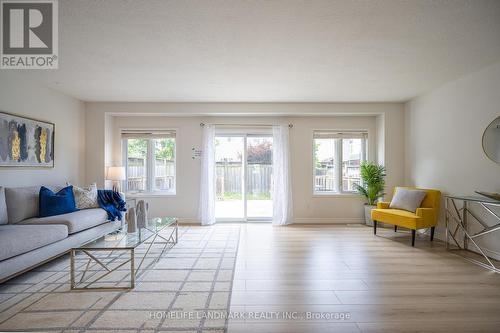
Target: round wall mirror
(491, 140)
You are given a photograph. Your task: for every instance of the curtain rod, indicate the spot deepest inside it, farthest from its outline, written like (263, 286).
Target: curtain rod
(245, 125)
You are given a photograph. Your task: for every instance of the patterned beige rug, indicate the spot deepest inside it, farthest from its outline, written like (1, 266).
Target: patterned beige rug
(175, 294)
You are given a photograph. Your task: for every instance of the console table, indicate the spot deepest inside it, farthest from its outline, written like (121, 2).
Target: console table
(461, 218)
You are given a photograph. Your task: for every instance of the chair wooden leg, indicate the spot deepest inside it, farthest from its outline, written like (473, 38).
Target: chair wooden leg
(432, 233)
(413, 232)
(395, 228)
(374, 227)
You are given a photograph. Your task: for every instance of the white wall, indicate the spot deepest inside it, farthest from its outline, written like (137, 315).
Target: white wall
(185, 203)
(23, 97)
(443, 138)
(185, 117)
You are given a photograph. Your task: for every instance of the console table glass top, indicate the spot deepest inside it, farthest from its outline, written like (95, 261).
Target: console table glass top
(473, 198)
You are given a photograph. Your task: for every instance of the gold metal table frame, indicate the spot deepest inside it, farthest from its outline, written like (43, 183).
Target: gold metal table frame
(462, 218)
(150, 238)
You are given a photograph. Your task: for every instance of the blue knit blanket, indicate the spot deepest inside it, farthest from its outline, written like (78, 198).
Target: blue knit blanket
(112, 203)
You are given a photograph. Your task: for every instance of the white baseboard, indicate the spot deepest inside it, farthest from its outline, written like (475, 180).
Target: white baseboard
(490, 253)
(189, 220)
(328, 220)
(298, 220)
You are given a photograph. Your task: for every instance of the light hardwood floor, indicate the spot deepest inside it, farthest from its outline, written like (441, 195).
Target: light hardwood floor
(366, 283)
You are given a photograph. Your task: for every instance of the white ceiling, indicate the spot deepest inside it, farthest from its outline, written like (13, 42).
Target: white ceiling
(269, 51)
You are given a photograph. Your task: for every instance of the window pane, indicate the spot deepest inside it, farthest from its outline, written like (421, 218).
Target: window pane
(259, 176)
(229, 202)
(164, 165)
(324, 165)
(351, 159)
(137, 151)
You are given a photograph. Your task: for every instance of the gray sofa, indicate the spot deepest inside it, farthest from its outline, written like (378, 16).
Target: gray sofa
(27, 241)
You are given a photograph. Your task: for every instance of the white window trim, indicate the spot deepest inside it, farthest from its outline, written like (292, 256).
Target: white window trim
(336, 195)
(150, 169)
(338, 163)
(149, 194)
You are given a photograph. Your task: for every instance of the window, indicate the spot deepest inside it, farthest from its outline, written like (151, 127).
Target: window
(337, 159)
(150, 161)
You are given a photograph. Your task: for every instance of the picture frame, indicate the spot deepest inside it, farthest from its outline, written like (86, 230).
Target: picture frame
(26, 142)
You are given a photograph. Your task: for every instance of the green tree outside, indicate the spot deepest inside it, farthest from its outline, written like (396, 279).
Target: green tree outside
(164, 148)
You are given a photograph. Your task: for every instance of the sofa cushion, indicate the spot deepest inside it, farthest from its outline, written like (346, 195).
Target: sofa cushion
(3, 207)
(19, 239)
(51, 203)
(398, 217)
(407, 199)
(76, 221)
(22, 202)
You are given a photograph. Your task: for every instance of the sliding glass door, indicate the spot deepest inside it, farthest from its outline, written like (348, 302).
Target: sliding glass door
(244, 177)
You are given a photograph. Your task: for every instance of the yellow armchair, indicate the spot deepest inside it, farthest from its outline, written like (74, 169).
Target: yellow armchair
(424, 217)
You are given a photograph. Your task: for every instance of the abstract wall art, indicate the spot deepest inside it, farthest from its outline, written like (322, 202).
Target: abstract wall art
(26, 142)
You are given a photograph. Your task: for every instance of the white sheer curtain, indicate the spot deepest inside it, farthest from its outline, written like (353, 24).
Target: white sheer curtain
(207, 185)
(282, 190)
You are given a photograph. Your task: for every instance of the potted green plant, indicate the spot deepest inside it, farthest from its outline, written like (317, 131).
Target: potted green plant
(371, 187)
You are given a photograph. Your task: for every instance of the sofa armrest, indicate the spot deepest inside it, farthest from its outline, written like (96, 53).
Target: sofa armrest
(383, 205)
(425, 213)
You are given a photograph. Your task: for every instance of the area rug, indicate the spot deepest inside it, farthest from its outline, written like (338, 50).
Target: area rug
(187, 290)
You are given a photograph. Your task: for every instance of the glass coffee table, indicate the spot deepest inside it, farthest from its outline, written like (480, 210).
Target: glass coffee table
(107, 254)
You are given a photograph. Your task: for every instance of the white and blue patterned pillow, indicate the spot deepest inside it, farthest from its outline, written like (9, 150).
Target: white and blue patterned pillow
(86, 197)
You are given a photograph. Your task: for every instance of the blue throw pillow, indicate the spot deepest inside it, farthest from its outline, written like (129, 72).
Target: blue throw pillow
(51, 203)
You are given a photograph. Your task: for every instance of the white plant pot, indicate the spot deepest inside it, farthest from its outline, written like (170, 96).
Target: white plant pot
(368, 214)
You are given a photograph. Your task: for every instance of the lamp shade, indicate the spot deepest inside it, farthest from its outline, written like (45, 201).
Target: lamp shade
(116, 173)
